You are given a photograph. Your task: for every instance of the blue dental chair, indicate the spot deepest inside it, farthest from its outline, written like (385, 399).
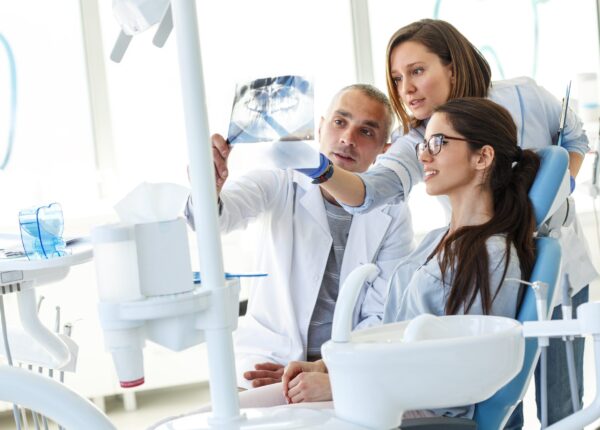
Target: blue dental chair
(546, 194)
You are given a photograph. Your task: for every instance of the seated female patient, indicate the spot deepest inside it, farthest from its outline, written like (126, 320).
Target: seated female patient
(470, 154)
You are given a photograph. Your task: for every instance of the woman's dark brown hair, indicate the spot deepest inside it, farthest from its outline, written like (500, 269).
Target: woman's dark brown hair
(464, 252)
(469, 67)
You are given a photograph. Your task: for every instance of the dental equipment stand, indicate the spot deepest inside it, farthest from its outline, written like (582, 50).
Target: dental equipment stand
(564, 216)
(207, 313)
(587, 323)
(346, 354)
(36, 346)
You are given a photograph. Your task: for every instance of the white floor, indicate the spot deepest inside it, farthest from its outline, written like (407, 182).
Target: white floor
(155, 405)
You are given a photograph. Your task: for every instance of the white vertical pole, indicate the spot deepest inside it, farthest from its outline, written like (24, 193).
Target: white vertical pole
(223, 387)
(363, 51)
(104, 145)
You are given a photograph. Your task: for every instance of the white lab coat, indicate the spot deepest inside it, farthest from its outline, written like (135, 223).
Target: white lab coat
(293, 249)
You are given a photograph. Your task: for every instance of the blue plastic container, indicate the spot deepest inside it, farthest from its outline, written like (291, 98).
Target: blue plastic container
(41, 231)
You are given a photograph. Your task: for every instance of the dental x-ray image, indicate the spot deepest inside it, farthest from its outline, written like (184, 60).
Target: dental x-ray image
(276, 109)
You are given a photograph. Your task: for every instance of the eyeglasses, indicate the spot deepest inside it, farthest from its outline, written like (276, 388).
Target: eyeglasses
(434, 144)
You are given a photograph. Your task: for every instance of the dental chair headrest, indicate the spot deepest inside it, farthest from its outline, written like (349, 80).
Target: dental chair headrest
(551, 186)
(426, 327)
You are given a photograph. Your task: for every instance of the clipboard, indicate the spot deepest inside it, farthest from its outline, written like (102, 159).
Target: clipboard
(563, 115)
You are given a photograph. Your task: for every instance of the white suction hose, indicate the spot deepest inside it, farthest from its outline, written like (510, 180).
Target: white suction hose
(342, 317)
(50, 398)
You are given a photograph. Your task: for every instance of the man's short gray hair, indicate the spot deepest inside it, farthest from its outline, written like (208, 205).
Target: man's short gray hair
(377, 95)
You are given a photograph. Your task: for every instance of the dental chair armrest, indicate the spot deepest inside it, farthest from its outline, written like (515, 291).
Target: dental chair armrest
(348, 294)
(438, 423)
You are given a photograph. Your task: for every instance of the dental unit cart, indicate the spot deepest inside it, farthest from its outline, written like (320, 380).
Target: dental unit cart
(35, 346)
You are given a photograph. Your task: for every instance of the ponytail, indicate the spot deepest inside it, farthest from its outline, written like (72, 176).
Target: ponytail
(513, 208)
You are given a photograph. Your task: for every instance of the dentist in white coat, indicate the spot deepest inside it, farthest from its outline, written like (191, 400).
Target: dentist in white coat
(309, 244)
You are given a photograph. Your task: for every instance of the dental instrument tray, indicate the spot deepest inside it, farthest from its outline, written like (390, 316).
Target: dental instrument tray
(18, 272)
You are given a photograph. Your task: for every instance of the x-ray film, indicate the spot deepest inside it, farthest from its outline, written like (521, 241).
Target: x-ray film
(276, 115)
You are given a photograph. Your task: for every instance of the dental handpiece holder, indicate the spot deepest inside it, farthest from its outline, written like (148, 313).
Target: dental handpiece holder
(34, 344)
(146, 292)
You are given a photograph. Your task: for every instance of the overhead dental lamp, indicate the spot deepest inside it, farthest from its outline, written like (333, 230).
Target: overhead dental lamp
(136, 16)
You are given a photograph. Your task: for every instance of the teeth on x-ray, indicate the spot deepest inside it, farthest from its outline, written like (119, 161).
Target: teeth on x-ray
(272, 110)
(273, 100)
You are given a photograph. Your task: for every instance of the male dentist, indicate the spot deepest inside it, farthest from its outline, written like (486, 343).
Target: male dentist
(310, 244)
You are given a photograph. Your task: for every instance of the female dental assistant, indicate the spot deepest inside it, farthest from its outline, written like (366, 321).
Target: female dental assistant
(428, 63)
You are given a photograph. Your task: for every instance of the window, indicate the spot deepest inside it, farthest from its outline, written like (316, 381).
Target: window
(240, 41)
(53, 153)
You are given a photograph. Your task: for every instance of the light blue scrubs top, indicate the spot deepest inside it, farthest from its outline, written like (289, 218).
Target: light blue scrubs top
(416, 288)
(416, 284)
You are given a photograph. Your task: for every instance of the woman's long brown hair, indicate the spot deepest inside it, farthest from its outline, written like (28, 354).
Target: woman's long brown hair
(464, 252)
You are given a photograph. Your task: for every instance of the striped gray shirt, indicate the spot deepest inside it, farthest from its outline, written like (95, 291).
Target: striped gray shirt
(319, 330)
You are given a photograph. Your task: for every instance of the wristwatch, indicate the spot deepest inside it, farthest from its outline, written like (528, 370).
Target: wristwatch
(324, 177)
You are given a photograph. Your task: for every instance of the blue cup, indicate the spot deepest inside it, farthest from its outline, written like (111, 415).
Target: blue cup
(41, 231)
